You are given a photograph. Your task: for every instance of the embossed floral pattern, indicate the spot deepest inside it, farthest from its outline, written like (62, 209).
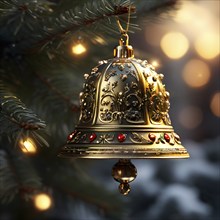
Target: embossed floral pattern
(125, 104)
(158, 105)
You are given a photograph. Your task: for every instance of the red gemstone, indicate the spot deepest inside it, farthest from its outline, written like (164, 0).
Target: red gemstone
(121, 137)
(152, 137)
(92, 137)
(70, 136)
(167, 137)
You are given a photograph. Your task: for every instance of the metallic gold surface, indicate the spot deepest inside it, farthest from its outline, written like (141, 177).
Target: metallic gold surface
(124, 115)
(124, 172)
(124, 50)
(124, 96)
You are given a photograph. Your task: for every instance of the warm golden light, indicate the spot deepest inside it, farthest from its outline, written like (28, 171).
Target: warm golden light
(207, 45)
(42, 201)
(184, 15)
(196, 73)
(189, 14)
(174, 45)
(28, 146)
(215, 104)
(191, 117)
(155, 63)
(78, 49)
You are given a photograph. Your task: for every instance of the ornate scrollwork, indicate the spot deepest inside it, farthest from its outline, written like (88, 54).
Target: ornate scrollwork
(158, 104)
(146, 138)
(132, 73)
(87, 96)
(79, 137)
(139, 139)
(105, 138)
(125, 71)
(157, 138)
(109, 74)
(176, 138)
(87, 100)
(126, 104)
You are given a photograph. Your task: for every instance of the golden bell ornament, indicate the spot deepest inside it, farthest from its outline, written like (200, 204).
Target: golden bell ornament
(124, 115)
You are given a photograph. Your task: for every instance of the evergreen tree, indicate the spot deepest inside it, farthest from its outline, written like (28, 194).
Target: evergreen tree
(40, 79)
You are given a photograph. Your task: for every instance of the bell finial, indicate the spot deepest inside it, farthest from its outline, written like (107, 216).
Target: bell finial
(124, 39)
(124, 50)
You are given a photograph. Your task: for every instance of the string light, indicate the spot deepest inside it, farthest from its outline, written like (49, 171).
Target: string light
(196, 73)
(78, 49)
(155, 63)
(28, 146)
(42, 201)
(174, 45)
(215, 104)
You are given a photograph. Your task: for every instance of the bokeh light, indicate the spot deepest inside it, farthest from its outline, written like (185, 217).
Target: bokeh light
(28, 146)
(189, 14)
(215, 104)
(78, 49)
(196, 73)
(207, 45)
(155, 63)
(174, 45)
(191, 117)
(42, 201)
(184, 15)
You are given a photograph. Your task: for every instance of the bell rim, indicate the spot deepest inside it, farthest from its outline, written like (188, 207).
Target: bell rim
(156, 128)
(108, 157)
(139, 151)
(187, 156)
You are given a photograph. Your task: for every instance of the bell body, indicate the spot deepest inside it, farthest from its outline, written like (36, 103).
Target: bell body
(124, 113)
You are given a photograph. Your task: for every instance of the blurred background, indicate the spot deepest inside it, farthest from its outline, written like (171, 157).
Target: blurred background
(181, 40)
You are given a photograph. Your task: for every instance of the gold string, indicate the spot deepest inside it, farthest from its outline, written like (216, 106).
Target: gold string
(121, 29)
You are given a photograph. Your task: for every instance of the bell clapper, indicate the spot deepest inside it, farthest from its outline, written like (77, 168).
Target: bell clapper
(124, 172)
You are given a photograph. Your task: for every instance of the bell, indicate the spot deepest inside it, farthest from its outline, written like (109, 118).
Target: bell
(124, 115)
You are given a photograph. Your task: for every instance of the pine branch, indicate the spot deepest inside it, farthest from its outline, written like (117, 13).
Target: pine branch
(17, 176)
(58, 80)
(22, 14)
(55, 31)
(14, 115)
(73, 20)
(18, 122)
(58, 102)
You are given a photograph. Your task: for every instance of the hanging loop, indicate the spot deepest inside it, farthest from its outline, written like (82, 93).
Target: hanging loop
(124, 50)
(121, 29)
(124, 40)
